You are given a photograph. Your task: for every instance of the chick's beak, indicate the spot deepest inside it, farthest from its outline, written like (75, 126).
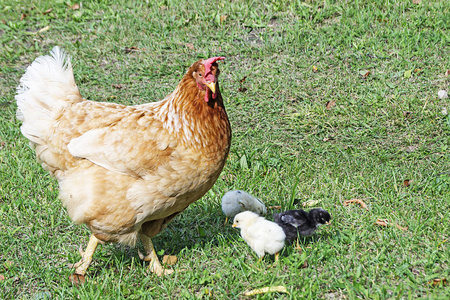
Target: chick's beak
(234, 225)
(212, 86)
(328, 223)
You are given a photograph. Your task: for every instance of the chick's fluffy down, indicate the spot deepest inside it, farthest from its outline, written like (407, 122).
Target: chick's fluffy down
(238, 201)
(261, 235)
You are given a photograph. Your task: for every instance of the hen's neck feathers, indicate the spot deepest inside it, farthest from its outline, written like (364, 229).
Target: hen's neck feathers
(197, 123)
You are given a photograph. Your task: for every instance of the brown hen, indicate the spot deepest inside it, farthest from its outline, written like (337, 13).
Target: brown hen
(125, 171)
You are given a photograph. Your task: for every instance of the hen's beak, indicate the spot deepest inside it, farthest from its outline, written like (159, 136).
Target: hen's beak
(234, 225)
(212, 86)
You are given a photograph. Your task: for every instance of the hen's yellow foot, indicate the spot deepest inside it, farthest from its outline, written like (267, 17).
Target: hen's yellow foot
(154, 266)
(86, 258)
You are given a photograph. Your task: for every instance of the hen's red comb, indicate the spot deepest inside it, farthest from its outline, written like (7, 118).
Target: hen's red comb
(208, 63)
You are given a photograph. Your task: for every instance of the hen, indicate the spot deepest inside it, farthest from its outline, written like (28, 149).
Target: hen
(125, 171)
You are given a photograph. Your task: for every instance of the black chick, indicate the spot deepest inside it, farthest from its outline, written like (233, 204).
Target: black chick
(301, 223)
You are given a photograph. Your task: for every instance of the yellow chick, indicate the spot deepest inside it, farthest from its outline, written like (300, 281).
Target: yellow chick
(261, 235)
(238, 201)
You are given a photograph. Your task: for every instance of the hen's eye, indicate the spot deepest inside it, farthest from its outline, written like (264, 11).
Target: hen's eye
(200, 75)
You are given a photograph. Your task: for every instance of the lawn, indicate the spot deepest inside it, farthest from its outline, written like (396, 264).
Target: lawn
(328, 100)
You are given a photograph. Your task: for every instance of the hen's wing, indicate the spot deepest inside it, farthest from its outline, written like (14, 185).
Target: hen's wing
(134, 146)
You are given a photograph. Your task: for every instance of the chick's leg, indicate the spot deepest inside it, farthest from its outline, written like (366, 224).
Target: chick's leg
(150, 255)
(297, 245)
(86, 258)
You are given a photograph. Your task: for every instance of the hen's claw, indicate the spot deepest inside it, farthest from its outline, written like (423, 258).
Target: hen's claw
(143, 257)
(80, 250)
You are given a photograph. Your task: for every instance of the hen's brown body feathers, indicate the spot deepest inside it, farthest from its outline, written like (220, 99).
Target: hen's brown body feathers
(124, 170)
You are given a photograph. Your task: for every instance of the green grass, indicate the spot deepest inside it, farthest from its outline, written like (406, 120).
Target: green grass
(384, 129)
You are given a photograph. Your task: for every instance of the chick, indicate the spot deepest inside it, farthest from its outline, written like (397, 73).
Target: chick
(301, 223)
(237, 201)
(261, 235)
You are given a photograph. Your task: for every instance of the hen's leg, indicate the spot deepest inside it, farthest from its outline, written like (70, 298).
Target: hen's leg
(86, 258)
(226, 220)
(150, 255)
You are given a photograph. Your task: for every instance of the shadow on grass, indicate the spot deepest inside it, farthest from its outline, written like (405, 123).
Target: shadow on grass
(192, 231)
(187, 232)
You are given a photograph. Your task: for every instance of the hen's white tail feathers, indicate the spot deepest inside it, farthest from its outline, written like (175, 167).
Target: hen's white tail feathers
(45, 89)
